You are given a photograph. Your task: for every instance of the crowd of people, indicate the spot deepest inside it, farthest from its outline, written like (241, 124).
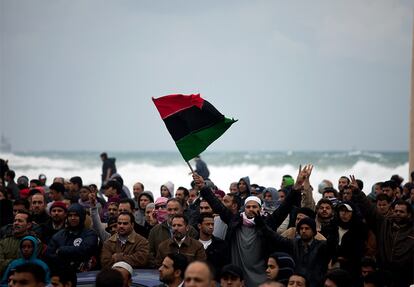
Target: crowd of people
(202, 236)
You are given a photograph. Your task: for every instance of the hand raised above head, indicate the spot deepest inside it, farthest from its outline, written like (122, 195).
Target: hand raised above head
(303, 174)
(353, 185)
(198, 180)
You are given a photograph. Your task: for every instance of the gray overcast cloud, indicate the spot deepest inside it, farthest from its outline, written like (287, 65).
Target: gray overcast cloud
(299, 75)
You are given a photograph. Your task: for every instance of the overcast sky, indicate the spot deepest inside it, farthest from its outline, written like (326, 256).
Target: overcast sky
(298, 75)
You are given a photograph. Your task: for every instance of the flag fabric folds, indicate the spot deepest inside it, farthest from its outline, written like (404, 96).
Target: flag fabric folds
(193, 122)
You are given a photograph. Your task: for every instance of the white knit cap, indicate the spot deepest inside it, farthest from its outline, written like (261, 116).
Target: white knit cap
(126, 266)
(253, 198)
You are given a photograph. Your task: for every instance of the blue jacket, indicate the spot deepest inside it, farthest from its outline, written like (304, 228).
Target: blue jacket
(73, 247)
(33, 259)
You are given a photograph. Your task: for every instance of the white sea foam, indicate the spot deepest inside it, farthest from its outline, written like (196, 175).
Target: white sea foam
(154, 175)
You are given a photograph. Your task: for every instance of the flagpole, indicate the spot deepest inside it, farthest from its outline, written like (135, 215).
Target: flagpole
(189, 165)
(411, 140)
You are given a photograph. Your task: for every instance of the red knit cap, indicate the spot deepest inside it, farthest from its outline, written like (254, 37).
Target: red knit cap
(60, 204)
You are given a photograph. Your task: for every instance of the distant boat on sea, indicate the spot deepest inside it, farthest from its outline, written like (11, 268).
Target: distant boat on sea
(5, 145)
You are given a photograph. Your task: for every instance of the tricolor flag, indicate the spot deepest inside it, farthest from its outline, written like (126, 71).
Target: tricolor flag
(192, 122)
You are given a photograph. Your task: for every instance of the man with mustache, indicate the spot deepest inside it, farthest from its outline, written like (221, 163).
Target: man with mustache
(395, 237)
(181, 242)
(10, 245)
(125, 245)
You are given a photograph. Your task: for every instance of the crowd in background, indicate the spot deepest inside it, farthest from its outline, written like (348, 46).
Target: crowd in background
(201, 235)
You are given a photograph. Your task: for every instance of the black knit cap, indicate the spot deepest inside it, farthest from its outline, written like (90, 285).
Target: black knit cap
(308, 221)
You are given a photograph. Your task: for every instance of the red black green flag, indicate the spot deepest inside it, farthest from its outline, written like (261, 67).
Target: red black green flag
(192, 122)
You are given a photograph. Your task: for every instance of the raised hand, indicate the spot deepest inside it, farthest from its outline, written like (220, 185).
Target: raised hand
(303, 174)
(198, 180)
(353, 184)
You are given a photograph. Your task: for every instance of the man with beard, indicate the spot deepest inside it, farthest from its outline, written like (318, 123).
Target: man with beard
(38, 208)
(126, 245)
(172, 270)
(181, 243)
(56, 221)
(324, 216)
(75, 246)
(395, 237)
(10, 245)
(163, 231)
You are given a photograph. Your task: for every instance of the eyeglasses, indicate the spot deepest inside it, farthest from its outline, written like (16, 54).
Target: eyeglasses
(161, 206)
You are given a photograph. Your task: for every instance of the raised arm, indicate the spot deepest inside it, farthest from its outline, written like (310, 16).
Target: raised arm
(293, 198)
(217, 206)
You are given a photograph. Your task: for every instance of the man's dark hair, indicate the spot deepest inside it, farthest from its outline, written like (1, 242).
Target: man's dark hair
(235, 199)
(323, 200)
(397, 179)
(65, 276)
(180, 262)
(383, 196)
(114, 184)
(131, 216)
(92, 185)
(176, 200)
(303, 276)
(28, 213)
(36, 181)
(347, 179)
(34, 191)
(109, 278)
(129, 201)
(185, 191)
(58, 187)
(403, 202)
(77, 180)
(340, 277)
(203, 216)
(360, 184)
(22, 201)
(180, 216)
(36, 270)
(330, 189)
(104, 155)
(10, 173)
(389, 183)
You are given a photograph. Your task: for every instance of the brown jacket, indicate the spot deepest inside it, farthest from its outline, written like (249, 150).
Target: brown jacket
(190, 248)
(135, 251)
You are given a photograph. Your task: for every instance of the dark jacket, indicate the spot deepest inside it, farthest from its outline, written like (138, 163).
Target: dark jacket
(218, 254)
(73, 247)
(395, 243)
(312, 260)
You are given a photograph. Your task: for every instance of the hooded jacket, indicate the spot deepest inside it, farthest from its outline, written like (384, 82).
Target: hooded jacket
(170, 186)
(140, 213)
(73, 247)
(269, 206)
(33, 259)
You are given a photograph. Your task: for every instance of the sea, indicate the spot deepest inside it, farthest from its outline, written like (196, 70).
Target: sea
(265, 168)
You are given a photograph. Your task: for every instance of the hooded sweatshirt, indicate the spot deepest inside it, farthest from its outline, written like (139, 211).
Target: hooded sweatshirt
(271, 205)
(73, 247)
(140, 212)
(170, 186)
(246, 179)
(33, 259)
